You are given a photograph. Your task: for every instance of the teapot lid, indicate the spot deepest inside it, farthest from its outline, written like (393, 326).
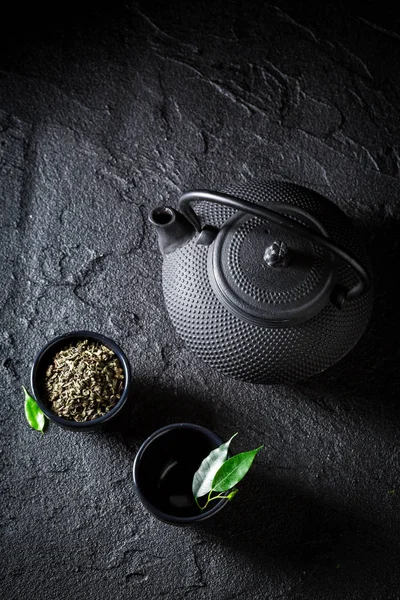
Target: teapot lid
(268, 275)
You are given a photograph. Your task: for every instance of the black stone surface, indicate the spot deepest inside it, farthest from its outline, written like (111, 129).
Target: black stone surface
(104, 113)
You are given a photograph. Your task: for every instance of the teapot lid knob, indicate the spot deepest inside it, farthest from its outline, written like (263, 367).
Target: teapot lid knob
(267, 281)
(277, 254)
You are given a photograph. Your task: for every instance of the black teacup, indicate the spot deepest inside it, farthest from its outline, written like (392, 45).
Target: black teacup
(164, 468)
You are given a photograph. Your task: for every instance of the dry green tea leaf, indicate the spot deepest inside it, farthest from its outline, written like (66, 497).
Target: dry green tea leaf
(84, 381)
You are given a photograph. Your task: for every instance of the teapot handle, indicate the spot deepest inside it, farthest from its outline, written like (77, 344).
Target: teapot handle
(341, 294)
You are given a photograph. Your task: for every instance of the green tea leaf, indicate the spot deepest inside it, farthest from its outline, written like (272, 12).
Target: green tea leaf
(233, 470)
(34, 415)
(232, 494)
(204, 476)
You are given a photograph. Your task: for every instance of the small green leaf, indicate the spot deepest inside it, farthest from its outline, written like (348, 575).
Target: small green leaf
(34, 415)
(232, 494)
(204, 476)
(233, 470)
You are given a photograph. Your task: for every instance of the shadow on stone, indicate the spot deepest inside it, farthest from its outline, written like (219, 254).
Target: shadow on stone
(368, 378)
(151, 407)
(264, 515)
(271, 522)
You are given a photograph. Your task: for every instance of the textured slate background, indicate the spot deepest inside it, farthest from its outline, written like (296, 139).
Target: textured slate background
(105, 113)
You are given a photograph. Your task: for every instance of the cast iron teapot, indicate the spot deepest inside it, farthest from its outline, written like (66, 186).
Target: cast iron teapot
(268, 283)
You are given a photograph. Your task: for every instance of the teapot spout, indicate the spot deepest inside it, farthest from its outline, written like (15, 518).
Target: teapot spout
(173, 229)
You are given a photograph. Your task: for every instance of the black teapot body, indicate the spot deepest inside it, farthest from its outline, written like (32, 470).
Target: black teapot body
(267, 283)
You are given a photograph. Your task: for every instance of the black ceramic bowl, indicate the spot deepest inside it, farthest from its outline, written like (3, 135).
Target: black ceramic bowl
(42, 361)
(163, 472)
